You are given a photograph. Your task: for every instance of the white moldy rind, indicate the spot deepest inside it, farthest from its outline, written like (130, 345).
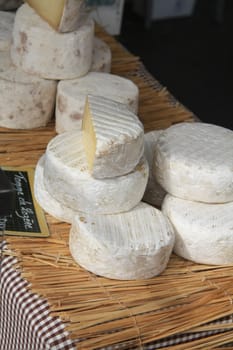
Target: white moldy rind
(194, 161)
(204, 232)
(72, 94)
(102, 57)
(38, 49)
(133, 245)
(154, 193)
(66, 178)
(26, 101)
(6, 28)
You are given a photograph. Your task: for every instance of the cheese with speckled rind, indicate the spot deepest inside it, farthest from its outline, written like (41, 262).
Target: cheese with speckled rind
(204, 232)
(67, 179)
(63, 15)
(26, 101)
(38, 49)
(194, 161)
(154, 193)
(6, 28)
(102, 57)
(113, 137)
(129, 246)
(72, 94)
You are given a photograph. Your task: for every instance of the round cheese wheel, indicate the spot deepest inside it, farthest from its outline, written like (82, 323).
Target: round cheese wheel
(6, 28)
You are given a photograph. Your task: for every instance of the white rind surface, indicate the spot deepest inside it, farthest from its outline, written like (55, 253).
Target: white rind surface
(204, 232)
(119, 138)
(66, 178)
(6, 28)
(39, 49)
(26, 101)
(194, 161)
(133, 245)
(72, 94)
(102, 57)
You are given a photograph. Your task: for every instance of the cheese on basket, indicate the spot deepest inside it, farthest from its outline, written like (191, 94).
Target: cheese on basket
(133, 245)
(113, 137)
(67, 179)
(62, 15)
(204, 232)
(6, 28)
(71, 96)
(39, 49)
(194, 161)
(26, 101)
(102, 57)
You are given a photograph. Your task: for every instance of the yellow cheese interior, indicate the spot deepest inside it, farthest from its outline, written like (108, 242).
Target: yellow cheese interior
(50, 10)
(89, 137)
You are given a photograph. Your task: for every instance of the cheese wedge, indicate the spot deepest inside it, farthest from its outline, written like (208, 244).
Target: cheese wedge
(203, 231)
(67, 179)
(72, 94)
(6, 28)
(154, 193)
(62, 15)
(129, 246)
(26, 101)
(113, 137)
(102, 57)
(38, 49)
(194, 161)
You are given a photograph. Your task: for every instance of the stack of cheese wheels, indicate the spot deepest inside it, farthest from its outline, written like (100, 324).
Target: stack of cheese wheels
(194, 163)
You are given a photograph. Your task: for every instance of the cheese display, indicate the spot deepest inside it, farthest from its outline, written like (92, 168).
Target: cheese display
(38, 49)
(67, 178)
(133, 245)
(6, 27)
(102, 57)
(154, 193)
(26, 101)
(194, 161)
(62, 15)
(71, 96)
(204, 232)
(113, 137)
(49, 204)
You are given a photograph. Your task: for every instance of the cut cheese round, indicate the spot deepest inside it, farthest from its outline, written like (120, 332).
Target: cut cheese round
(113, 137)
(72, 94)
(102, 57)
(6, 28)
(26, 101)
(67, 179)
(40, 50)
(62, 15)
(204, 232)
(154, 193)
(133, 245)
(194, 161)
(49, 204)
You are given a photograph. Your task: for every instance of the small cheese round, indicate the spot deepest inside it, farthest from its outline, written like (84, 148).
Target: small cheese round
(49, 204)
(72, 94)
(194, 161)
(129, 246)
(26, 101)
(102, 57)
(6, 28)
(39, 49)
(66, 178)
(204, 232)
(154, 193)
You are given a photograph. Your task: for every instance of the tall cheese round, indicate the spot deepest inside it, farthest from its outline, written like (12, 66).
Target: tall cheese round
(194, 161)
(204, 232)
(26, 101)
(72, 94)
(133, 245)
(39, 49)
(6, 28)
(67, 179)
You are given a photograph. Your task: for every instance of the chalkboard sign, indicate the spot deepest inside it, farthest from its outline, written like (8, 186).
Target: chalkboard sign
(28, 218)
